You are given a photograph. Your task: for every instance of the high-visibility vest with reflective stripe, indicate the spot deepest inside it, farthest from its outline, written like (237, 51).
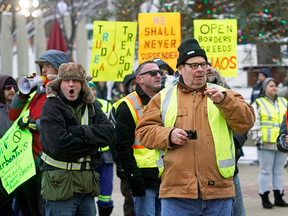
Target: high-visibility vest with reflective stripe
(106, 105)
(144, 157)
(270, 119)
(68, 165)
(106, 108)
(222, 134)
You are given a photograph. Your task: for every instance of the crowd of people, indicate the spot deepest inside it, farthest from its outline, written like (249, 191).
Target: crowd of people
(176, 138)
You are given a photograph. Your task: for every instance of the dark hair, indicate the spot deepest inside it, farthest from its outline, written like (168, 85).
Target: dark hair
(140, 67)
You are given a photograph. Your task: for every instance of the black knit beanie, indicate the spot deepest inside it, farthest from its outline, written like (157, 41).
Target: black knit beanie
(189, 48)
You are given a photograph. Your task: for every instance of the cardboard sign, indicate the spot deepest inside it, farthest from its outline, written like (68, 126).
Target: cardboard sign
(159, 37)
(16, 158)
(113, 49)
(219, 39)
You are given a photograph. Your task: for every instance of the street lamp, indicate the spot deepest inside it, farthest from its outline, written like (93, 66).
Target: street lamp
(27, 6)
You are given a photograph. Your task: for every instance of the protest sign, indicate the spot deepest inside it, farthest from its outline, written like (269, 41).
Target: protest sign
(219, 39)
(159, 37)
(113, 48)
(16, 158)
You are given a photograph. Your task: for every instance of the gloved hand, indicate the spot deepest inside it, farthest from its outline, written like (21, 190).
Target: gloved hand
(119, 171)
(27, 122)
(76, 130)
(259, 144)
(137, 184)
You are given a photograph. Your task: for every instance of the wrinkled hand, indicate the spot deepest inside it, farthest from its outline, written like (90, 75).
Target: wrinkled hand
(76, 130)
(286, 139)
(214, 94)
(179, 137)
(27, 122)
(259, 144)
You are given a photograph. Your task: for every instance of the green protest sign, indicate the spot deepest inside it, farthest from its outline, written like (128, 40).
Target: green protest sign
(16, 158)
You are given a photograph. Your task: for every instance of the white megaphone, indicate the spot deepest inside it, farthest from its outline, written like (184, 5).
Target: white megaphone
(25, 84)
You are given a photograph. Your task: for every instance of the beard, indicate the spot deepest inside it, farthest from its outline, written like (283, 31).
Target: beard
(210, 78)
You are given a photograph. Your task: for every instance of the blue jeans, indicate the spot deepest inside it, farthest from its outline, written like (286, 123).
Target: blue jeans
(148, 205)
(196, 207)
(79, 204)
(239, 209)
(271, 162)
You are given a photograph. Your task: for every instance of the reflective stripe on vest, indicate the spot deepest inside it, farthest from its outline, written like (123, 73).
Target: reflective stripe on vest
(67, 165)
(106, 106)
(144, 157)
(224, 144)
(270, 119)
(62, 164)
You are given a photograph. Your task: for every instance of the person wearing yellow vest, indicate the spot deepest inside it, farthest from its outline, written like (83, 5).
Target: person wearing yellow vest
(129, 85)
(190, 127)
(105, 204)
(269, 112)
(138, 162)
(73, 129)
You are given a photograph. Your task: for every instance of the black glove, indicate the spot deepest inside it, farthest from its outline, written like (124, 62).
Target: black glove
(76, 130)
(137, 184)
(27, 122)
(119, 171)
(259, 144)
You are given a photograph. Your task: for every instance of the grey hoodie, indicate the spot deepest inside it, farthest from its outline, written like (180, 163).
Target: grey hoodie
(4, 117)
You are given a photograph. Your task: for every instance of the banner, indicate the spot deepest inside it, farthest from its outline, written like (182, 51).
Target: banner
(16, 158)
(113, 48)
(159, 37)
(219, 39)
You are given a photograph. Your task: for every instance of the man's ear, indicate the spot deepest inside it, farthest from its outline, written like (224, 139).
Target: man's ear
(180, 68)
(139, 79)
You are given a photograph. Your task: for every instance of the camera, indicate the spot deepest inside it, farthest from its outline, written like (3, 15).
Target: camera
(192, 134)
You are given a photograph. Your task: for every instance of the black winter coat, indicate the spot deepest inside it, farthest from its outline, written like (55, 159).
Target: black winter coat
(56, 117)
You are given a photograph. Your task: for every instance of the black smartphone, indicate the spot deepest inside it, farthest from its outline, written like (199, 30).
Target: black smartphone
(192, 134)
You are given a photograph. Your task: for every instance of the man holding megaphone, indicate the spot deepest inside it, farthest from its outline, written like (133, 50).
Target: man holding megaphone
(31, 96)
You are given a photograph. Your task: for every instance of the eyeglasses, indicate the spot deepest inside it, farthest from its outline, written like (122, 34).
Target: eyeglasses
(153, 72)
(9, 87)
(196, 65)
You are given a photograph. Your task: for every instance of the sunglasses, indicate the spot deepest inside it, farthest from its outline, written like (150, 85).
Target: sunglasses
(153, 72)
(9, 87)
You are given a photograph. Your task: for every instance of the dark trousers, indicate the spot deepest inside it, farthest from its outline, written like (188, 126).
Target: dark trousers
(32, 188)
(128, 206)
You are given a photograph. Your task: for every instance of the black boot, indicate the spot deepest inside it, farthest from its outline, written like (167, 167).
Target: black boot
(278, 199)
(265, 200)
(105, 211)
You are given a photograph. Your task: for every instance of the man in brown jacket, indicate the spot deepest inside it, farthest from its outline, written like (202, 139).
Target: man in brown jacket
(190, 125)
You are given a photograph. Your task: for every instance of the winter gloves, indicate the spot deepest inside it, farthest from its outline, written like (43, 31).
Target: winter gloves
(259, 144)
(137, 184)
(27, 122)
(76, 131)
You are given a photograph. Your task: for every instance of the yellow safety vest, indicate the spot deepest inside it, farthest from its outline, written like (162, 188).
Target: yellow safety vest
(144, 157)
(106, 105)
(270, 119)
(222, 134)
(106, 108)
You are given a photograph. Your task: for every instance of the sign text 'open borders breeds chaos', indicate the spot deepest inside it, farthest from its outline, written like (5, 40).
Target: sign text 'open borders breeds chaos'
(113, 49)
(219, 39)
(159, 37)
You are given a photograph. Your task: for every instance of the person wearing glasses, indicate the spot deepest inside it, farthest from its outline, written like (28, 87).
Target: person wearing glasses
(8, 87)
(138, 162)
(48, 63)
(190, 127)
